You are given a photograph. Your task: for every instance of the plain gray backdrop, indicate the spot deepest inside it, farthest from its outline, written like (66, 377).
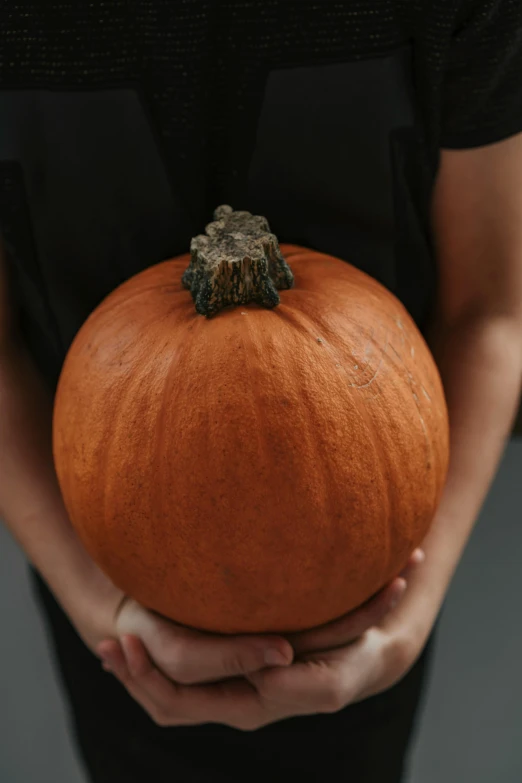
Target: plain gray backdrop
(470, 729)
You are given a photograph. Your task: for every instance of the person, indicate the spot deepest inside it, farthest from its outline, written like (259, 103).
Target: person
(384, 132)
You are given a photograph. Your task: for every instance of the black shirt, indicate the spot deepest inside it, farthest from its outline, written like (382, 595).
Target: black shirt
(124, 124)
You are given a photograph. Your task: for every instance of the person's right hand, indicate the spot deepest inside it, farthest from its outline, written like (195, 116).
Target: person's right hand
(163, 655)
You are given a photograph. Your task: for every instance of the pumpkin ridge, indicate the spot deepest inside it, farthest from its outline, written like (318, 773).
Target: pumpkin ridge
(302, 322)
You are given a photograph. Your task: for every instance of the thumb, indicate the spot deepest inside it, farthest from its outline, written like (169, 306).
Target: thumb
(206, 658)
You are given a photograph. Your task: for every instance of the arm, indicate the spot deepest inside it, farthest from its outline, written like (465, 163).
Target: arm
(30, 500)
(477, 341)
(476, 335)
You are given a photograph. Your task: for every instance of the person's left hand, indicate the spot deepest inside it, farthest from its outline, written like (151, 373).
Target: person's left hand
(336, 665)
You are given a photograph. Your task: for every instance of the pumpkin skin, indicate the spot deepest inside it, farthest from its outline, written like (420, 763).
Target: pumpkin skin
(263, 471)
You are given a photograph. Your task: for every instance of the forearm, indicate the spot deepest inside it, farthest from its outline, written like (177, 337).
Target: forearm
(480, 361)
(30, 499)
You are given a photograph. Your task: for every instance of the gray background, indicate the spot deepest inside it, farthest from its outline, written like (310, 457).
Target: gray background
(471, 724)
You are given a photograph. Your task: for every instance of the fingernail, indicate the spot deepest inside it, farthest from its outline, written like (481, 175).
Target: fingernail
(275, 658)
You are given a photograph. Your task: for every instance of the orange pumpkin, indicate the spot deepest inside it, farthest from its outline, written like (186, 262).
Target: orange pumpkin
(267, 469)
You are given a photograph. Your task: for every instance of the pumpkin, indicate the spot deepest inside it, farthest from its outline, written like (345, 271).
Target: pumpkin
(250, 438)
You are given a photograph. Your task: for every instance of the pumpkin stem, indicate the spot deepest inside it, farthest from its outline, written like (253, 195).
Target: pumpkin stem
(236, 261)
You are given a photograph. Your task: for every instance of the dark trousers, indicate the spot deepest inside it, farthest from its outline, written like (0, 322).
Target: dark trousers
(364, 743)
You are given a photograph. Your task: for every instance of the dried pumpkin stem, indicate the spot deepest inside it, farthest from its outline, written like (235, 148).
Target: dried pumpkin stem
(236, 261)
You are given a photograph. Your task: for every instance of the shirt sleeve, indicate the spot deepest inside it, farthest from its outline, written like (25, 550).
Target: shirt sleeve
(482, 91)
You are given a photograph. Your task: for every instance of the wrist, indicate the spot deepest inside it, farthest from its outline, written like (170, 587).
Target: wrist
(85, 593)
(93, 607)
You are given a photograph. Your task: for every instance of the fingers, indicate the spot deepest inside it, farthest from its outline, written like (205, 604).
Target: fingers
(111, 654)
(311, 687)
(189, 657)
(324, 683)
(234, 703)
(129, 662)
(351, 626)
(138, 661)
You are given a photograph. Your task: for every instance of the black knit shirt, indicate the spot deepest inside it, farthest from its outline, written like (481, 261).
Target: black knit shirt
(123, 124)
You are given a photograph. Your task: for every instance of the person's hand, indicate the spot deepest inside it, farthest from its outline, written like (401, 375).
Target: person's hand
(336, 665)
(165, 675)
(160, 651)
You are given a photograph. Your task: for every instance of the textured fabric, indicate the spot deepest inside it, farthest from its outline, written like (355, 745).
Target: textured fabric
(482, 88)
(194, 89)
(472, 49)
